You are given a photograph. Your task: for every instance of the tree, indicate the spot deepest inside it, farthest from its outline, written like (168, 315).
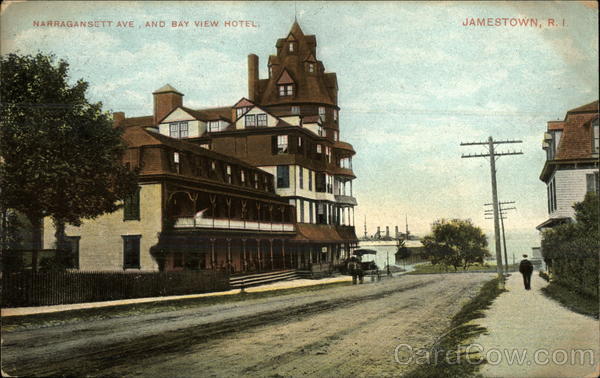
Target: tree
(403, 251)
(456, 243)
(60, 157)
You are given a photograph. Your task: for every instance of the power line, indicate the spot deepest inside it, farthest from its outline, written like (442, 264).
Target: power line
(493, 155)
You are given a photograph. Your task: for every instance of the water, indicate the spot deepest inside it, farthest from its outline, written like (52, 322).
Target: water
(385, 251)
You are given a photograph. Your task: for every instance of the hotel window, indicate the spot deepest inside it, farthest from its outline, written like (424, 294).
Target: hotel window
(310, 212)
(270, 71)
(310, 179)
(250, 120)
(131, 206)
(322, 113)
(229, 176)
(283, 176)
(286, 90)
(243, 177)
(291, 47)
(302, 211)
(240, 111)
(176, 161)
(321, 131)
(178, 129)
(256, 181)
(335, 114)
(319, 149)
(213, 169)
(213, 126)
(596, 131)
(592, 183)
(300, 177)
(311, 67)
(282, 144)
(261, 120)
(295, 109)
(328, 153)
(336, 135)
(131, 251)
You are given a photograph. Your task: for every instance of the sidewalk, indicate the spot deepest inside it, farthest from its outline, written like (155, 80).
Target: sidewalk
(521, 321)
(21, 311)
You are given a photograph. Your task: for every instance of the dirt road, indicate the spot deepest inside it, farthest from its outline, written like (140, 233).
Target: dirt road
(351, 330)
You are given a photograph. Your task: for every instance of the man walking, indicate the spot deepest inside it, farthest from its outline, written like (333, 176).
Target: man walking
(526, 268)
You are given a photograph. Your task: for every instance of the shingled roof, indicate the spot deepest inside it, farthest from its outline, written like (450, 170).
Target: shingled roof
(139, 136)
(315, 87)
(576, 139)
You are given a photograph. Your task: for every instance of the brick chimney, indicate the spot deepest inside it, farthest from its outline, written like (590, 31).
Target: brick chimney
(252, 77)
(118, 117)
(166, 99)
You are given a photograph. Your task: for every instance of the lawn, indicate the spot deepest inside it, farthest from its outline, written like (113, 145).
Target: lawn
(427, 268)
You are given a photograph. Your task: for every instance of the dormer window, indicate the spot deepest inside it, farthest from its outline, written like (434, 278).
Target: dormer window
(322, 113)
(286, 90)
(214, 126)
(178, 129)
(241, 111)
(311, 67)
(250, 120)
(261, 120)
(291, 47)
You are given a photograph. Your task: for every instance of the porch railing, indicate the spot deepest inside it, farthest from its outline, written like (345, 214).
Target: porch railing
(233, 224)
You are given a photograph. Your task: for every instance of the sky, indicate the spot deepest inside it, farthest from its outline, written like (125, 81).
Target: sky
(414, 83)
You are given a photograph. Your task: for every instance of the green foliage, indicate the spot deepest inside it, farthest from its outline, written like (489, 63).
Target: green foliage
(403, 251)
(60, 157)
(572, 250)
(456, 243)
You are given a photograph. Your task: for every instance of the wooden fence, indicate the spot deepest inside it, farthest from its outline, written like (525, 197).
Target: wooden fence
(28, 288)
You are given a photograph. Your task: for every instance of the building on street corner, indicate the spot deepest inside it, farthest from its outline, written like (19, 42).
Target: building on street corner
(262, 184)
(571, 168)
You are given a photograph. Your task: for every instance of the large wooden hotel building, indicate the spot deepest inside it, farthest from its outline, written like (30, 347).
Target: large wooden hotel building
(263, 184)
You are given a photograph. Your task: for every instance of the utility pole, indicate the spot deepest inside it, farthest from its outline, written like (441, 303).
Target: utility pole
(502, 216)
(493, 155)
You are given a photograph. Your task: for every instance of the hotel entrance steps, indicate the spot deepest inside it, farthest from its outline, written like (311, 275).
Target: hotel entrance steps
(254, 279)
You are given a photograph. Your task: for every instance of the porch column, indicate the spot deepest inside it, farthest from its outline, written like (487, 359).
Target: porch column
(283, 251)
(259, 254)
(213, 262)
(244, 255)
(229, 255)
(310, 254)
(298, 256)
(271, 251)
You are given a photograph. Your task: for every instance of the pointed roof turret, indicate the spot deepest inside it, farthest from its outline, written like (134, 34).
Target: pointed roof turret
(296, 30)
(166, 89)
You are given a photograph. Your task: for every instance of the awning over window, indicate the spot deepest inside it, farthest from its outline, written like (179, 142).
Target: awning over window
(317, 233)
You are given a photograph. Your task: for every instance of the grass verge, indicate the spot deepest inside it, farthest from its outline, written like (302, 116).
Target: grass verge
(448, 357)
(74, 316)
(572, 300)
(428, 268)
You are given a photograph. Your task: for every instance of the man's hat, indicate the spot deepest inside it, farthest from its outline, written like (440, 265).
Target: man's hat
(525, 256)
